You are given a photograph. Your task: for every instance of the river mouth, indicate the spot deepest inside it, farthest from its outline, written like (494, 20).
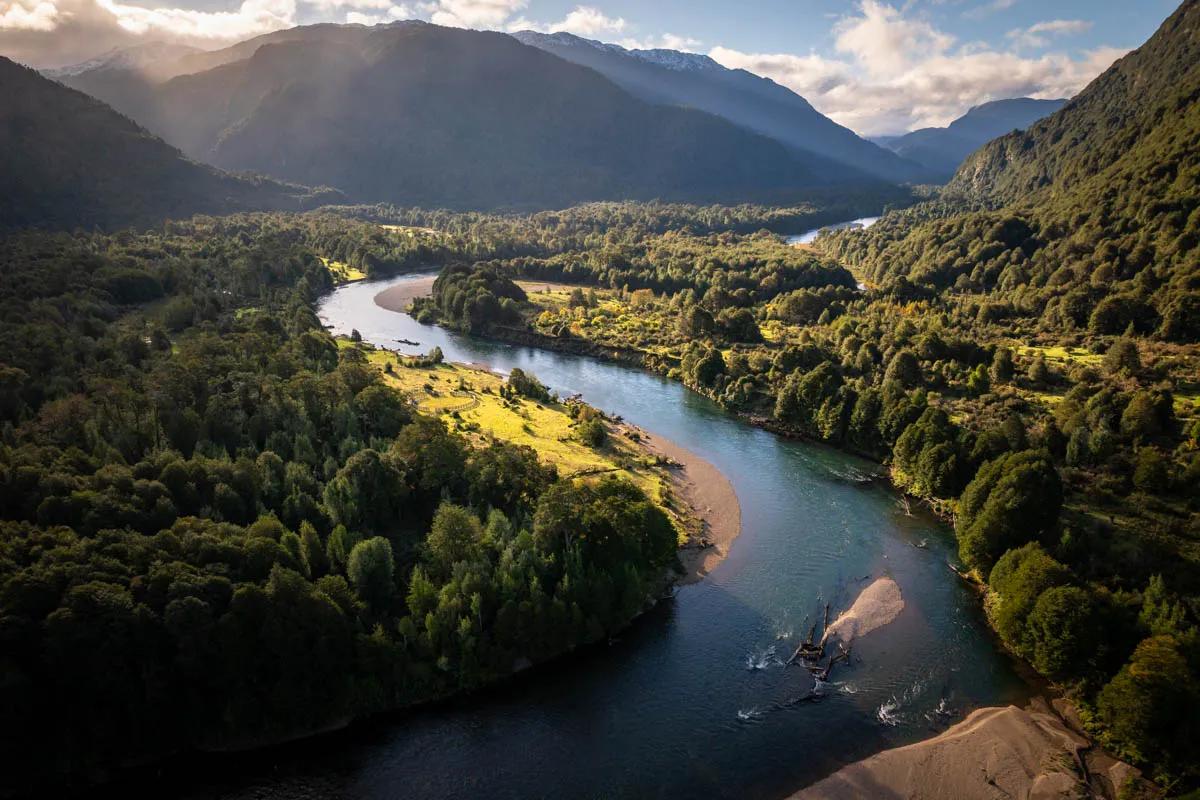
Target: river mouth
(694, 698)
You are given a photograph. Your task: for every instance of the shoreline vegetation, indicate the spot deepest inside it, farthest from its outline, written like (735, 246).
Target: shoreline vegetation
(1021, 751)
(704, 490)
(540, 329)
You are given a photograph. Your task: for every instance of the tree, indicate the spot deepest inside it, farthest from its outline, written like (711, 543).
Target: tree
(370, 569)
(1019, 578)
(1012, 500)
(904, 369)
(382, 411)
(456, 536)
(1122, 358)
(593, 433)
(1147, 415)
(1039, 372)
(1065, 633)
(1151, 703)
(367, 492)
(1150, 474)
(1002, 366)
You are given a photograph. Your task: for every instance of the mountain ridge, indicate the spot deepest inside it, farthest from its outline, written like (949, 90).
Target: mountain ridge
(751, 101)
(415, 113)
(942, 150)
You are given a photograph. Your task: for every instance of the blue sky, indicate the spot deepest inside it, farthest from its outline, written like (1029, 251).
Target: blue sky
(876, 66)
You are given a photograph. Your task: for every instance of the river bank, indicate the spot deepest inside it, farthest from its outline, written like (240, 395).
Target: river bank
(710, 496)
(704, 489)
(976, 738)
(1004, 751)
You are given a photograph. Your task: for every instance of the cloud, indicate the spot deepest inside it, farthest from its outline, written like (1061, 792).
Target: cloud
(27, 15)
(667, 41)
(894, 74)
(253, 17)
(472, 13)
(1040, 33)
(979, 12)
(588, 21)
(884, 42)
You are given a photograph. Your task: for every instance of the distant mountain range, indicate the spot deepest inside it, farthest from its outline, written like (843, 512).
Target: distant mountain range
(670, 77)
(68, 160)
(414, 113)
(942, 150)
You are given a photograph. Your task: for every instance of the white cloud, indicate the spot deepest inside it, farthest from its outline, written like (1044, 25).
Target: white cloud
(253, 17)
(883, 41)
(473, 13)
(986, 9)
(28, 15)
(335, 5)
(1040, 33)
(667, 41)
(585, 21)
(588, 21)
(895, 74)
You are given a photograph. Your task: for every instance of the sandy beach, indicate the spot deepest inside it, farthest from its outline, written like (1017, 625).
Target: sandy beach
(712, 499)
(399, 297)
(995, 752)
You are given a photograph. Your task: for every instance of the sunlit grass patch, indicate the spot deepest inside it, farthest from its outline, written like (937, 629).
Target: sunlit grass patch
(1062, 355)
(343, 272)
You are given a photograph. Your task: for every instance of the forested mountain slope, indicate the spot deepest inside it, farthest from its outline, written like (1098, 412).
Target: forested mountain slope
(68, 160)
(1097, 208)
(695, 81)
(1151, 90)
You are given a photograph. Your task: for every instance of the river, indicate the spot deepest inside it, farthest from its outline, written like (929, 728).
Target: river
(809, 236)
(691, 701)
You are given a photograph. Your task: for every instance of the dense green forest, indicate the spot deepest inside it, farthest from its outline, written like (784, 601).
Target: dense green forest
(1067, 453)
(219, 528)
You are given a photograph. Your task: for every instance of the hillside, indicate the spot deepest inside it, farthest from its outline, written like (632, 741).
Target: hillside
(1147, 92)
(696, 81)
(416, 113)
(1093, 220)
(942, 150)
(68, 160)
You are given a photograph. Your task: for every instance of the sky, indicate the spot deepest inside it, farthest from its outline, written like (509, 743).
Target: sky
(876, 66)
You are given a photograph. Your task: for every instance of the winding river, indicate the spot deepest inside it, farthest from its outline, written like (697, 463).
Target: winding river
(691, 701)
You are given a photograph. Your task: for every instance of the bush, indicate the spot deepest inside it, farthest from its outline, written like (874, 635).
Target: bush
(1013, 499)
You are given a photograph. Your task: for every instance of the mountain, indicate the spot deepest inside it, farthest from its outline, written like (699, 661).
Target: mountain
(942, 150)
(145, 57)
(671, 77)
(1092, 217)
(1146, 101)
(68, 160)
(413, 113)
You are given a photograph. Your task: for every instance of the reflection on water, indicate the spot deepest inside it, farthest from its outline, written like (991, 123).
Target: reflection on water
(693, 700)
(809, 236)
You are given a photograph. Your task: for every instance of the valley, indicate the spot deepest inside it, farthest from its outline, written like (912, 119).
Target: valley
(449, 402)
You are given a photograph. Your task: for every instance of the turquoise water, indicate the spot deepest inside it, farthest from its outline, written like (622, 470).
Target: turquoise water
(693, 700)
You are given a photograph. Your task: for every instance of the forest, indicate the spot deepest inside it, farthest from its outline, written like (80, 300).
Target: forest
(1067, 453)
(192, 466)
(220, 529)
